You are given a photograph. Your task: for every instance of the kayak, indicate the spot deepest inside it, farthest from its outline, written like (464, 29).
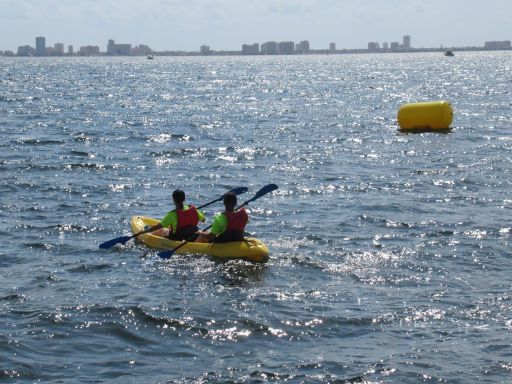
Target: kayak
(250, 249)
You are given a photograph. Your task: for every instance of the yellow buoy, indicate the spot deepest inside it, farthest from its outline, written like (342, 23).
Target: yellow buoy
(425, 116)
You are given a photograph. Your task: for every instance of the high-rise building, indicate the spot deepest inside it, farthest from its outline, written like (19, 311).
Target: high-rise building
(40, 46)
(26, 50)
(497, 44)
(373, 46)
(70, 50)
(286, 48)
(89, 50)
(252, 49)
(269, 48)
(302, 47)
(111, 47)
(407, 42)
(58, 49)
(118, 49)
(205, 50)
(332, 47)
(141, 50)
(124, 49)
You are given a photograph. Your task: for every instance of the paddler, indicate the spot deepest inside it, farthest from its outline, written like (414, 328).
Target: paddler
(228, 225)
(180, 223)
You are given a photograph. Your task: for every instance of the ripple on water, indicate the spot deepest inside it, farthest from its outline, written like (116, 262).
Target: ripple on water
(389, 251)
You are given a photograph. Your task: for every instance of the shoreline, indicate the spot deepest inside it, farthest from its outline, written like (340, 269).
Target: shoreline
(310, 52)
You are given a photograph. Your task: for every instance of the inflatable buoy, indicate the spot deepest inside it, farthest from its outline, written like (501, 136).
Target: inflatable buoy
(430, 115)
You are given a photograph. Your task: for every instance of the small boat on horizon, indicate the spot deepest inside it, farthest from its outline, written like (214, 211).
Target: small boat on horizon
(150, 57)
(449, 53)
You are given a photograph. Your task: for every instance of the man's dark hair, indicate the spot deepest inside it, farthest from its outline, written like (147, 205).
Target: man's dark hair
(178, 195)
(230, 200)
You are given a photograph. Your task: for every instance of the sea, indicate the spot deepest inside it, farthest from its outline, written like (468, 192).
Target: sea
(390, 251)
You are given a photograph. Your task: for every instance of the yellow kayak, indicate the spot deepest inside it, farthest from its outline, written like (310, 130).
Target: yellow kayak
(250, 249)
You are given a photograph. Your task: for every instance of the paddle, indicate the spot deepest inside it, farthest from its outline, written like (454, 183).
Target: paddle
(262, 192)
(124, 239)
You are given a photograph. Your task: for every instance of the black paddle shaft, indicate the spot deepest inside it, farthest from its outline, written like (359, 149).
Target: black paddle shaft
(123, 239)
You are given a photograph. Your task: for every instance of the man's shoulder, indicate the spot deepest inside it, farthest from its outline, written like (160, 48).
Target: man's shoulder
(171, 213)
(219, 216)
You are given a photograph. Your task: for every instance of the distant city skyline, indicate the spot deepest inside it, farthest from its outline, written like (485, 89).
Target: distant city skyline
(267, 48)
(185, 25)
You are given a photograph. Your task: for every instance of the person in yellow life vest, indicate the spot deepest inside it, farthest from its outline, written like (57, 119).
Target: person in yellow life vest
(228, 225)
(180, 223)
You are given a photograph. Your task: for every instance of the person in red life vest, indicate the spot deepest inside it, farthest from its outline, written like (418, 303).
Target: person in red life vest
(228, 225)
(180, 223)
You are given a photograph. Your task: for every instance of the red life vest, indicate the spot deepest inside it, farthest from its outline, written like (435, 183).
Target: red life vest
(187, 217)
(237, 220)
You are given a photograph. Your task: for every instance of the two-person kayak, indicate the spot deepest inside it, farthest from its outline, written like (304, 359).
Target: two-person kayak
(250, 249)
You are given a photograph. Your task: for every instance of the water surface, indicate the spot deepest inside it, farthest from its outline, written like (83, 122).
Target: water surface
(390, 252)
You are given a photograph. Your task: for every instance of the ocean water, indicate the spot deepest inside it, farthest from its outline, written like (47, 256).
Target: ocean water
(390, 253)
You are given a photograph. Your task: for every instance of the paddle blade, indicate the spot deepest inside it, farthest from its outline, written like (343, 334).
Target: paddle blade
(117, 240)
(266, 189)
(238, 191)
(263, 191)
(166, 254)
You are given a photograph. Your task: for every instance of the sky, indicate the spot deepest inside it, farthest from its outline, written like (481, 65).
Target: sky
(227, 24)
